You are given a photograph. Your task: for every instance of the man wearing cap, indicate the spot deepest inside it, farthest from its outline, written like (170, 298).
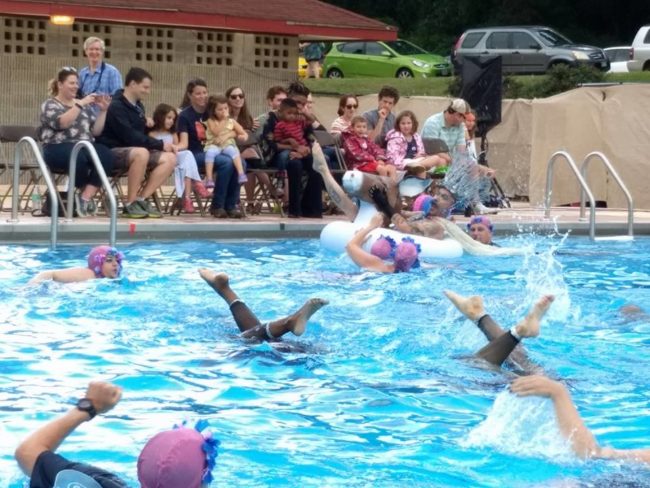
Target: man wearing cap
(449, 127)
(178, 458)
(480, 229)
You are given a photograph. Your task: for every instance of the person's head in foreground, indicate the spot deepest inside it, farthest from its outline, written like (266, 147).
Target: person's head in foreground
(105, 262)
(404, 255)
(288, 110)
(480, 228)
(359, 126)
(440, 204)
(456, 112)
(178, 458)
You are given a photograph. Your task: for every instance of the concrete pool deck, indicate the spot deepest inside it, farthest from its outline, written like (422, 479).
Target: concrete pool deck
(521, 217)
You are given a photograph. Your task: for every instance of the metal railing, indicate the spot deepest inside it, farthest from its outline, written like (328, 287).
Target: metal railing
(51, 188)
(630, 204)
(584, 189)
(72, 172)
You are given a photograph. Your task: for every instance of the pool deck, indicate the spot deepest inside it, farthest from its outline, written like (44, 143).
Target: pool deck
(508, 221)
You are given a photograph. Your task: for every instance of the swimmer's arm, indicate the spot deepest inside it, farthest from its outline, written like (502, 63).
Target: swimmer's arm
(402, 225)
(69, 275)
(640, 455)
(569, 421)
(361, 257)
(103, 396)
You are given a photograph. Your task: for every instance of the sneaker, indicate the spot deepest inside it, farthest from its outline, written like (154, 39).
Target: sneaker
(151, 212)
(480, 209)
(200, 189)
(80, 206)
(242, 178)
(134, 211)
(234, 214)
(209, 184)
(92, 208)
(219, 213)
(188, 206)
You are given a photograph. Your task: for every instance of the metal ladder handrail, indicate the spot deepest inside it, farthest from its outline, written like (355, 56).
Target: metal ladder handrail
(630, 205)
(51, 189)
(72, 172)
(583, 184)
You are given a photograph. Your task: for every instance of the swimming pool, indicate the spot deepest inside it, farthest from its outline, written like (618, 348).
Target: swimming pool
(380, 395)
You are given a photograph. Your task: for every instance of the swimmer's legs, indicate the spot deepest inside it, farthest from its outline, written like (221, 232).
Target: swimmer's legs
(244, 317)
(472, 308)
(498, 350)
(294, 323)
(336, 193)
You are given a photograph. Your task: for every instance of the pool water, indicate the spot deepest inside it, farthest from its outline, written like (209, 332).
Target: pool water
(378, 393)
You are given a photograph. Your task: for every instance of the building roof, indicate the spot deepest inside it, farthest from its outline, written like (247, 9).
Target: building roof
(308, 19)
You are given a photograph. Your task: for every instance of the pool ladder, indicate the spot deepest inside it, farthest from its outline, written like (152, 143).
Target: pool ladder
(585, 191)
(30, 143)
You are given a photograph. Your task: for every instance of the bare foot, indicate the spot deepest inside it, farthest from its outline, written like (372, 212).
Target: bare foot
(529, 326)
(218, 281)
(470, 307)
(320, 163)
(297, 322)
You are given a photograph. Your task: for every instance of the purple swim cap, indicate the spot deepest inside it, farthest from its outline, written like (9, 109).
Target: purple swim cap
(178, 458)
(383, 248)
(406, 255)
(98, 255)
(423, 203)
(480, 219)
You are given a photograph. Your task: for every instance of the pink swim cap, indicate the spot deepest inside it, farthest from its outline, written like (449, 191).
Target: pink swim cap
(406, 255)
(173, 459)
(423, 203)
(383, 248)
(98, 255)
(481, 219)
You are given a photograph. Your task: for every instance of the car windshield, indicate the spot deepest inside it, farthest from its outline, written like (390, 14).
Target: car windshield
(552, 38)
(404, 48)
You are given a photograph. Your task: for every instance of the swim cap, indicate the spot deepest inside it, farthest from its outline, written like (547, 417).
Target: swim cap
(423, 203)
(480, 219)
(383, 248)
(178, 458)
(98, 255)
(406, 255)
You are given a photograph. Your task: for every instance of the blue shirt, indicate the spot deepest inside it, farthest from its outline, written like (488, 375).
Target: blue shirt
(106, 80)
(435, 128)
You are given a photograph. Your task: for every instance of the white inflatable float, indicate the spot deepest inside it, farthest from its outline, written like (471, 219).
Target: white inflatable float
(336, 235)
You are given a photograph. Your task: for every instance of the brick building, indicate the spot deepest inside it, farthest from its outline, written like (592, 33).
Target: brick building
(253, 44)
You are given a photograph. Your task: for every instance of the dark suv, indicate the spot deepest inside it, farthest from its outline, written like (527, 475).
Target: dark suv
(526, 49)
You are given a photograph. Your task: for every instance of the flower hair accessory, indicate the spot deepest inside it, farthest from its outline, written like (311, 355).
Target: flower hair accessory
(210, 447)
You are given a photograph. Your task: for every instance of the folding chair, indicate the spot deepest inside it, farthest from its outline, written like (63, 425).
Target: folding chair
(325, 139)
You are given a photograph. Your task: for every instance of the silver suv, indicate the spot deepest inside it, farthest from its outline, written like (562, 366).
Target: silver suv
(640, 52)
(526, 49)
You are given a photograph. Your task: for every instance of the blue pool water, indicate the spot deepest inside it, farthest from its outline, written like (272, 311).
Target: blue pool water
(379, 396)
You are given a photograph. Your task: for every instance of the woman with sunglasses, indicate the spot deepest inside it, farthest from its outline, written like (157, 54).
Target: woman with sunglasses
(66, 120)
(348, 105)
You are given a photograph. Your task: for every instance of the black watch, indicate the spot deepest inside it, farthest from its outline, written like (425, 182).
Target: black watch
(85, 405)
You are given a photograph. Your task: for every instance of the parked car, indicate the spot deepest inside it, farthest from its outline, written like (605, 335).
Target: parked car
(388, 59)
(526, 49)
(640, 56)
(618, 58)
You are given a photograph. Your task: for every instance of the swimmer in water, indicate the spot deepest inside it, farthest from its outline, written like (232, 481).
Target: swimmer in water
(249, 325)
(480, 228)
(385, 256)
(103, 262)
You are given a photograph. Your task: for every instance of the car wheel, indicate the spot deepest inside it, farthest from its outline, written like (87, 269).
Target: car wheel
(646, 66)
(404, 73)
(334, 73)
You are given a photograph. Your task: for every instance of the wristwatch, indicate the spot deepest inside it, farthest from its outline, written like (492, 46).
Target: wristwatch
(85, 405)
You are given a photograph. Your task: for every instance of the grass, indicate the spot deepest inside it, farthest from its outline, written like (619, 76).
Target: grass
(436, 87)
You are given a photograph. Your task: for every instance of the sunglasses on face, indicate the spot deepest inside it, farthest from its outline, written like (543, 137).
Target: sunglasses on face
(350, 107)
(236, 96)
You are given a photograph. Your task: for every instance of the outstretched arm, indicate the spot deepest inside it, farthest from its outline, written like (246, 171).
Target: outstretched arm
(68, 275)
(103, 396)
(363, 258)
(571, 425)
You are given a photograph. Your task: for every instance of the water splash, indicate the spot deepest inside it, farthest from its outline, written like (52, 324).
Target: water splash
(523, 427)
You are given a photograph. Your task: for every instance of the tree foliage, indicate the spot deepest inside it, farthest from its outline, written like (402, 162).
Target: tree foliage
(436, 24)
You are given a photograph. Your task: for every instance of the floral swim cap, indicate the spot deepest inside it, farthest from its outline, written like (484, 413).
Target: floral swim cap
(423, 204)
(383, 248)
(178, 458)
(406, 255)
(98, 255)
(480, 219)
